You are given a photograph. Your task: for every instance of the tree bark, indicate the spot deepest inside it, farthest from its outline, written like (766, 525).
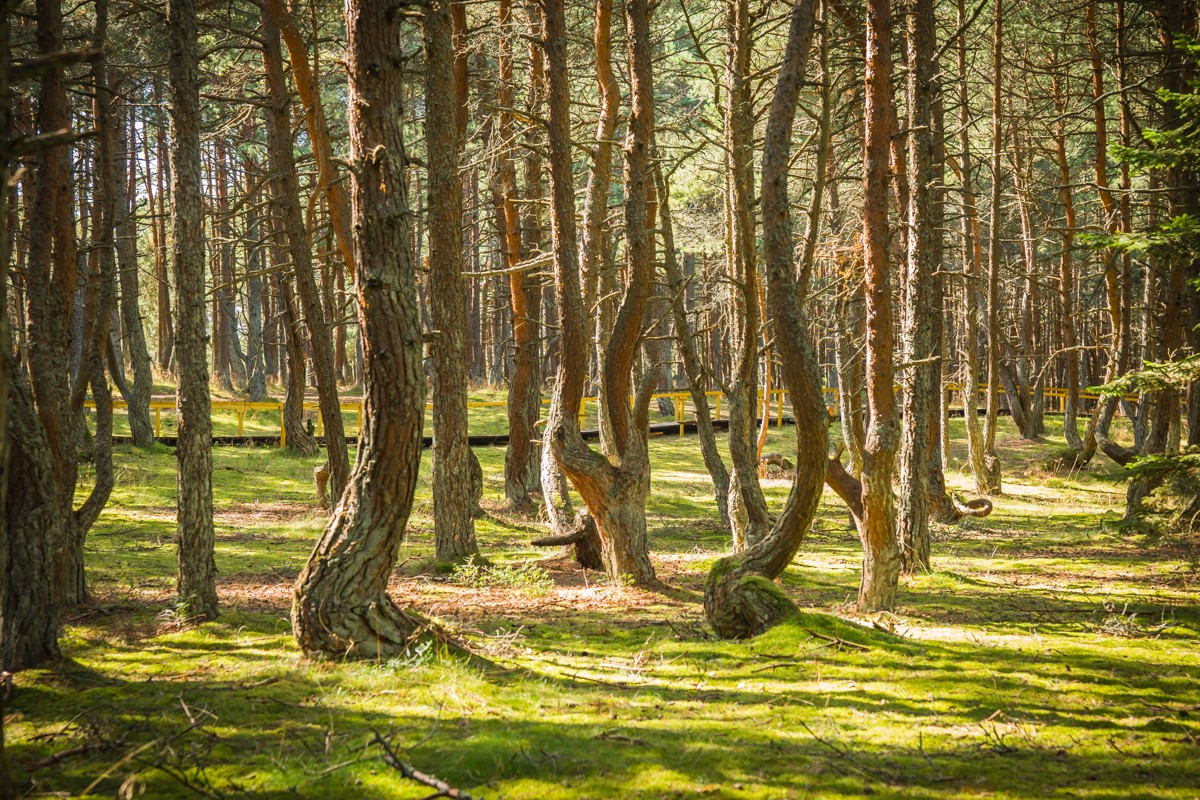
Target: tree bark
(614, 490)
(881, 562)
(920, 393)
(687, 351)
(991, 418)
(286, 190)
(522, 459)
(197, 567)
(740, 599)
(28, 610)
(748, 515)
(984, 467)
(454, 464)
(256, 382)
(341, 606)
(1066, 277)
(133, 334)
(165, 328)
(318, 129)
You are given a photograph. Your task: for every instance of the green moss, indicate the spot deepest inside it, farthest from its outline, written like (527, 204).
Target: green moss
(1046, 655)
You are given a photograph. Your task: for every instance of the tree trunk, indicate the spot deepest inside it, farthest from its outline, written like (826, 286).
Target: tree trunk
(99, 303)
(165, 329)
(881, 562)
(453, 461)
(1028, 373)
(286, 190)
(739, 598)
(1102, 413)
(748, 515)
(985, 467)
(299, 440)
(29, 635)
(28, 611)
(1066, 287)
(341, 606)
(522, 459)
(614, 491)
(256, 383)
(317, 127)
(7, 790)
(197, 568)
(687, 351)
(994, 346)
(133, 334)
(920, 393)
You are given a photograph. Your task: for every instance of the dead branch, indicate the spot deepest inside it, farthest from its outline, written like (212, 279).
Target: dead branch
(407, 770)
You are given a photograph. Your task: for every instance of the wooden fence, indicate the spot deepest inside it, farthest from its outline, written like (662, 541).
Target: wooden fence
(1055, 401)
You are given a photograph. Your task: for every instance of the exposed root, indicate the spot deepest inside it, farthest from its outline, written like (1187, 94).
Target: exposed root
(978, 507)
(375, 630)
(584, 536)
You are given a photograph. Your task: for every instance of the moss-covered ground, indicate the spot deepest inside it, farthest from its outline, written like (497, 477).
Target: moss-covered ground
(1049, 654)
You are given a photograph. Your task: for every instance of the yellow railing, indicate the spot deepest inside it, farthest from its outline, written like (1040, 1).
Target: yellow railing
(680, 400)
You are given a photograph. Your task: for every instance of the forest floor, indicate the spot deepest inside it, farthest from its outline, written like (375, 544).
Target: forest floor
(1048, 655)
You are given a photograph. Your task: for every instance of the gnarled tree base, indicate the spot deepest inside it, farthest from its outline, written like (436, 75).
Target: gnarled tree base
(739, 605)
(584, 537)
(377, 629)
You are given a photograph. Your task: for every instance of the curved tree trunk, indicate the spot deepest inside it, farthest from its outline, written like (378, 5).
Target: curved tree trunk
(748, 515)
(99, 303)
(739, 598)
(285, 187)
(340, 606)
(453, 502)
(133, 334)
(687, 351)
(197, 568)
(523, 457)
(614, 490)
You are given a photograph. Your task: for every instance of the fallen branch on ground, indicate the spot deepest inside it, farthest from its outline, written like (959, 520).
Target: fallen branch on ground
(837, 640)
(407, 770)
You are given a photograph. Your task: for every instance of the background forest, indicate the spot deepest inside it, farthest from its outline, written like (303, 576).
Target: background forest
(812, 392)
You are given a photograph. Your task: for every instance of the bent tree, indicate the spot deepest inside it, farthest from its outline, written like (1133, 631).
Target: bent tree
(340, 605)
(614, 488)
(739, 598)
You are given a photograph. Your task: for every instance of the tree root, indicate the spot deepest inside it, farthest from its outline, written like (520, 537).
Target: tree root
(978, 507)
(584, 536)
(377, 629)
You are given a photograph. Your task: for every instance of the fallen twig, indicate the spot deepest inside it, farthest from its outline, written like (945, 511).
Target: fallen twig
(838, 640)
(407, 770)
(70, 752)
(847, 755)
(617, 736)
